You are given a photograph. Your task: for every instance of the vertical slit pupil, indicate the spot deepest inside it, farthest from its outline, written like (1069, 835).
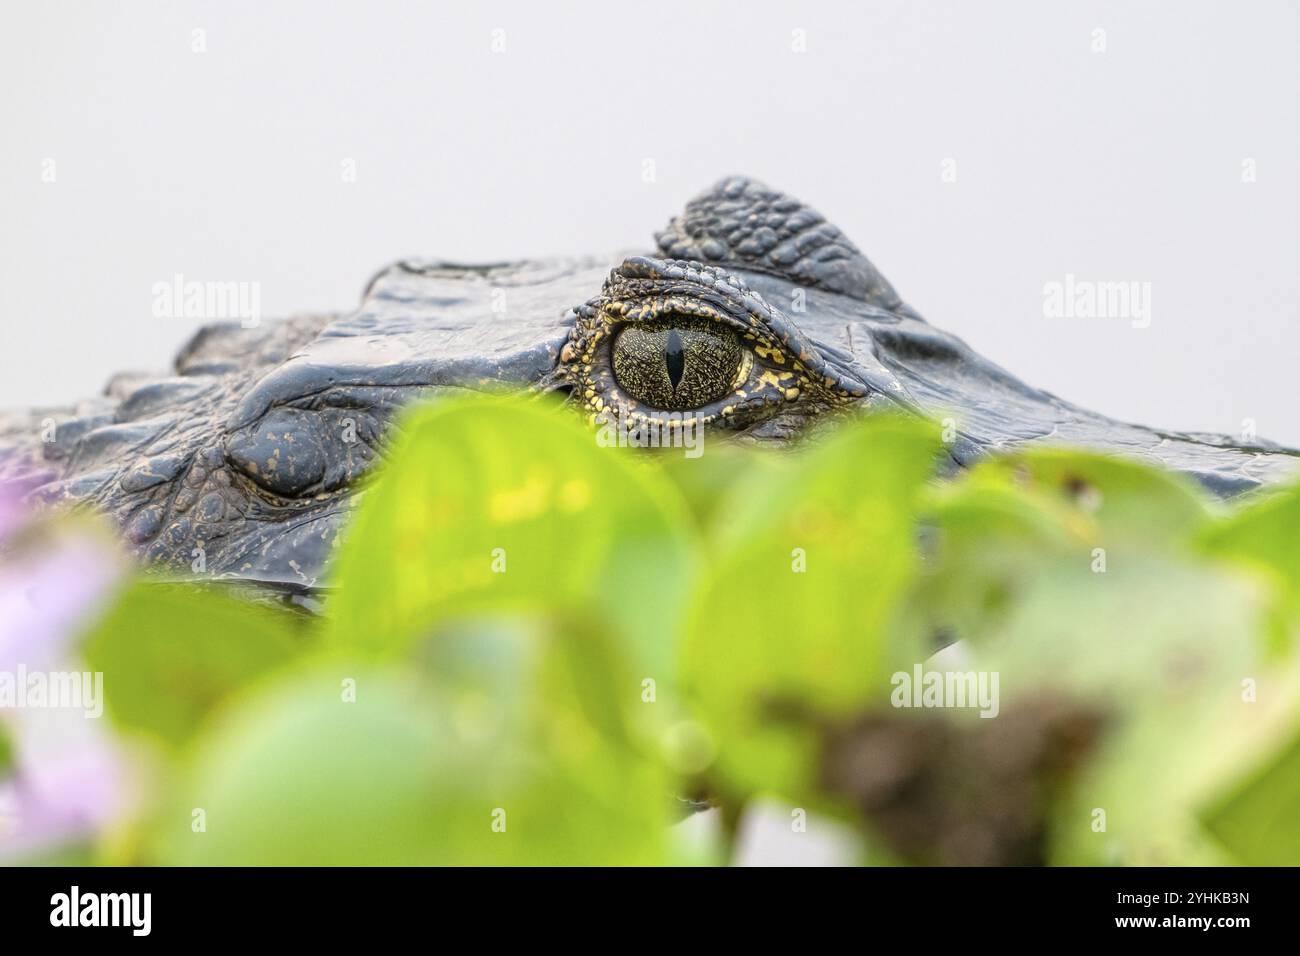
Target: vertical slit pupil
(674, 357)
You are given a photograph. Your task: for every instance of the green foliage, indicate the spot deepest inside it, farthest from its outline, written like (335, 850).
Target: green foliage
(534, 644)
(794, 611)
(1264, 535)
(1095, 496)
(495, 505)
(1258, 822)
(505, 744)
(1074, 576)
(171, 653)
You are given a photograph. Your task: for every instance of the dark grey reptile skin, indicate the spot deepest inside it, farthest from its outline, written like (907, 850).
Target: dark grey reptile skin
(171, 457)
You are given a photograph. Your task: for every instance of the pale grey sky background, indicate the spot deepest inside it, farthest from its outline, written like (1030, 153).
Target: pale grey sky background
(226, 165)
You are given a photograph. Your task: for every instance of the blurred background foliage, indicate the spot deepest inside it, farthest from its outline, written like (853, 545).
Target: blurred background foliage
(537, 650)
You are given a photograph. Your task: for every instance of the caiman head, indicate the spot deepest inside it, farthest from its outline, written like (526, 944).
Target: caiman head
(754, 316)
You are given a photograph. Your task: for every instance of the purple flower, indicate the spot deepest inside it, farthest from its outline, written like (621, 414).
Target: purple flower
(66, 780)
(49, 594)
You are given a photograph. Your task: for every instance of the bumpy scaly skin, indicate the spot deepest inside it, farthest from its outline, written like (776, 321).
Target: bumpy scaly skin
(243, 461)
(744, 224)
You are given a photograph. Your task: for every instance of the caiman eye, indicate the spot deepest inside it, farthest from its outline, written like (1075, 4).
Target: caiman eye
(677, 363)
(672, 342)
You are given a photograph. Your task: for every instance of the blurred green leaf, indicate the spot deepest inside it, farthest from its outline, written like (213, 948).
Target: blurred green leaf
(1161, 648)
(984, 541)
(999, 523)
(795, 612)
(1100, 496)
(1259, 822)
(1077, 576)
(506, 743)
(708, 482)
(169, 653)
(1265, 536)
(493, 504)
(1267, 530)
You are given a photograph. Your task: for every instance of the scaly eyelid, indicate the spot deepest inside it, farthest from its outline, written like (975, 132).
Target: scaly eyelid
(753, 335)
(301, 450)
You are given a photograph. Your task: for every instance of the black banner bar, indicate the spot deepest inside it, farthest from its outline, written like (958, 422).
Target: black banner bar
(333, 905)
